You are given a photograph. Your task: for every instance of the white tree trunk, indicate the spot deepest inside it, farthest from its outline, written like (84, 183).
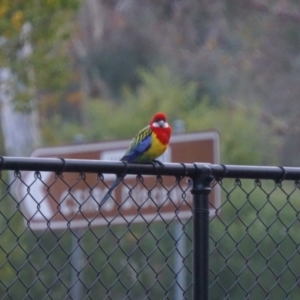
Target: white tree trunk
(20, 129)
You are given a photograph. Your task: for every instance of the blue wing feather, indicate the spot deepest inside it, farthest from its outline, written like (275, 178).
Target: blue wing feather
(139, 145)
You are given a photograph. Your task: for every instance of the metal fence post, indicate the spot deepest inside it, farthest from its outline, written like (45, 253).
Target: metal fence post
(201, 189)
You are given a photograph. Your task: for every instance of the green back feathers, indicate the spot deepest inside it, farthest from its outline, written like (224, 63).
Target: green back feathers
(139, 146)
(142, 135)
(145, 132)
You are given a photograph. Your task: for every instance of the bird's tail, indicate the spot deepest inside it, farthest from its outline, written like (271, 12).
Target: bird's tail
(110, 190)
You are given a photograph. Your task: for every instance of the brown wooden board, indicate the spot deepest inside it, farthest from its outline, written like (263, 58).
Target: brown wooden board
(72, 200)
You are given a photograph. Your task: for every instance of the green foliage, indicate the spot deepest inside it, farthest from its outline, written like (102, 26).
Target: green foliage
(118, 67)
(235, 50)
(58, 131)
(256, 232)
(46, 68)
(244, 138)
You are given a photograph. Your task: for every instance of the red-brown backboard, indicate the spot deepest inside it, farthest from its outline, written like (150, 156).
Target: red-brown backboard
(72, 200)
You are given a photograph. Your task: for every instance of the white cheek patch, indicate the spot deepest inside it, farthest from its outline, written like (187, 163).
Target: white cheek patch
(156, 124)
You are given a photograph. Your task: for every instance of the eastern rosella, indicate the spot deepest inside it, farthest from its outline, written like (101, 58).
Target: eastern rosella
(150, 143)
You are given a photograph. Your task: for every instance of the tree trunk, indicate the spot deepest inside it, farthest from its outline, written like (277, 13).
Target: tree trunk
(20, 129)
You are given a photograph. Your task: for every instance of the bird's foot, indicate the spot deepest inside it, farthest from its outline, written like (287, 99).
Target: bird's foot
(155, 162)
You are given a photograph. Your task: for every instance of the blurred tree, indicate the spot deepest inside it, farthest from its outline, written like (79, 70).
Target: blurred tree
(244, 134)
(32, 63)
(33, 60)
(238, 52)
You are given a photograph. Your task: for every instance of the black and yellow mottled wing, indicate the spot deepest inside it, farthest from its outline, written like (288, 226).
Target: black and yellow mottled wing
(139, 145)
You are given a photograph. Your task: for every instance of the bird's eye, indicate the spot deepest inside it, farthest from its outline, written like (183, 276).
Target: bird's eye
(160, 123)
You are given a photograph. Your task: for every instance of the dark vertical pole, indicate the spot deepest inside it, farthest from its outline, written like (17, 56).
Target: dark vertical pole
(201, 189)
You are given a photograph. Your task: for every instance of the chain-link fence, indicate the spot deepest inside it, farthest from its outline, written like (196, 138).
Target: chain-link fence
(151, 239)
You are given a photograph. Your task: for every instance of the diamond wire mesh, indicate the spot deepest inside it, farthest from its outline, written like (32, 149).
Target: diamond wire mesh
(254, 239)
(123, 259)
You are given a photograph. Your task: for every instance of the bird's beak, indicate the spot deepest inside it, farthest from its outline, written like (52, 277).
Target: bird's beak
(161, 123)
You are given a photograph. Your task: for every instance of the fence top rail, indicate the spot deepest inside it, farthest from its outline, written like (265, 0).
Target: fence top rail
(174, 169)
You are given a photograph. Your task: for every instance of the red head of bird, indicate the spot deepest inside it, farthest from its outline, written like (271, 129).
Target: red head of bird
(161, 128)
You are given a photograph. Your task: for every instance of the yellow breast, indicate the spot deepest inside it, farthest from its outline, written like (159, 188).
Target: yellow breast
(156, 149)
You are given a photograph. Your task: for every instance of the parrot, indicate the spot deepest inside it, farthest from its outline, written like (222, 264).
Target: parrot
(150, 143)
